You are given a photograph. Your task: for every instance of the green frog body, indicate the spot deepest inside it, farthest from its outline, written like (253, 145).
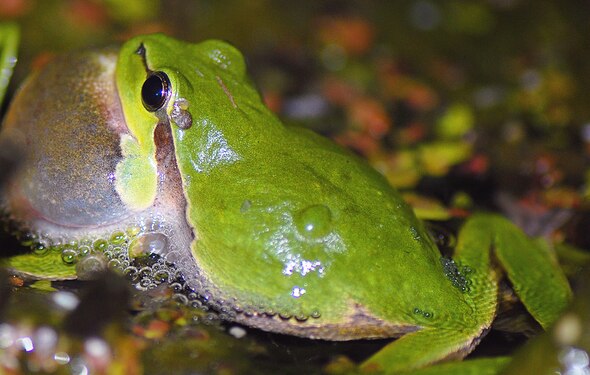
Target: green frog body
(276, 226)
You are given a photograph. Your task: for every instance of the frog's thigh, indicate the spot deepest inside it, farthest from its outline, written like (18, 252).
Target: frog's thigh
(459, 335)
(422, 348)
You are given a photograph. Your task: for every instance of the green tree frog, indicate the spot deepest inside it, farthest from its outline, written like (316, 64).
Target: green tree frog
(169, 144)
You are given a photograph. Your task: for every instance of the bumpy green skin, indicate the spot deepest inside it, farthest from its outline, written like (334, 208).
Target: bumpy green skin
(246, 180)
(253, 186)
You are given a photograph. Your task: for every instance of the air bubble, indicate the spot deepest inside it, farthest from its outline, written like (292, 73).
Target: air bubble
(415, 233)
(424, 313)
(69, 256)
(301, 317)
(121, 256)
(148, 243)
(149, 238)
(28, 239)
(145, 282)
(456, 274)
(173, 257)
(176, 287)
(133, 231)
(131, 273)
(161, 276)
(56, 249)
(313, 222)
(180, 298)
(90, 266)
(114, 264)
(270, 312)
(85, 242)
(211, 318)
(145, 272)
(297, 292)
(117, 238)
(285, 315)
(40, 249)
(57, 241)
(84, 250)
(315, 314)
(100, 245)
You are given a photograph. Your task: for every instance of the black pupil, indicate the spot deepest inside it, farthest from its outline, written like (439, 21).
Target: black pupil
(154, 91)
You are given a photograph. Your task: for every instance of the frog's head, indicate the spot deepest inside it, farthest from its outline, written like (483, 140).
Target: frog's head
(88, 122)
(183, 86)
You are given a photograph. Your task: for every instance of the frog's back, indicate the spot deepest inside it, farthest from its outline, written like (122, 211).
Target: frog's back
(309, 230)
(289, 224)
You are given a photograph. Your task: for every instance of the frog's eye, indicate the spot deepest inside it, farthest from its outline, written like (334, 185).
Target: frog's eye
(155, 91)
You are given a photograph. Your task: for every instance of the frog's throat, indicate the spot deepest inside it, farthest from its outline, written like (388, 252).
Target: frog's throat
(169, 206)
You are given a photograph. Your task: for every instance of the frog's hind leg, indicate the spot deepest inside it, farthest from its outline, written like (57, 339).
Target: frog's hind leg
(531, 268)
(535, 277)
(450, 339)
(423, 348)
